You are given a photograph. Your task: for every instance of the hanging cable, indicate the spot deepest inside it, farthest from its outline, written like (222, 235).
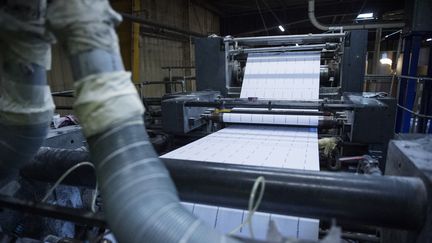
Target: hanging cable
(262, 16)
(70, 170)
(253, 206)
(273, 13)
(416, 114)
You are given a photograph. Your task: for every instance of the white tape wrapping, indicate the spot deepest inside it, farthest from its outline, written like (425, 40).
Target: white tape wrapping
(104, 100)
(22, 104)
(84, 24)
(26, 42)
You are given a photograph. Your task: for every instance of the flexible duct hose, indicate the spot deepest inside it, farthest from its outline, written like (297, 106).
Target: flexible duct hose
(312, 18)
(141, 200)
(23, 119)
(18, 144)
(26, 104)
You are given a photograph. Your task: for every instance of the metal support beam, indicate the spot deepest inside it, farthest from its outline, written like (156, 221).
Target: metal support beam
(136, 7)
(402, 83)
(426, 100)
(143, 21)
(412, 83)
(377, 50)
(270, 105)
(319, 47)
(287, 39)
(76, 215)
(187, 46)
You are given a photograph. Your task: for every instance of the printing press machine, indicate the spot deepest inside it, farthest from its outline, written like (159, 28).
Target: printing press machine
(394, 207)
(363, 123)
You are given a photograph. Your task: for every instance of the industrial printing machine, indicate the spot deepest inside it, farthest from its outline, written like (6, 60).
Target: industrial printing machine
(363, 122)
(387, 199)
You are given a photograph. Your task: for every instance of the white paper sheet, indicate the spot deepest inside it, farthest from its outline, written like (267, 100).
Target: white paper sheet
(286, 76)
(270, 119)
(282, 76)
(281, 147)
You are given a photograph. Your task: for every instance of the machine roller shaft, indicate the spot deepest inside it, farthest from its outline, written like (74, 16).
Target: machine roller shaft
(393, 202)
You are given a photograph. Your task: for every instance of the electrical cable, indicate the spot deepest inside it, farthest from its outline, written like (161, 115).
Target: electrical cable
(273, 13)
(416, 114)
(70, 170)
(262, 17)
(252, 208)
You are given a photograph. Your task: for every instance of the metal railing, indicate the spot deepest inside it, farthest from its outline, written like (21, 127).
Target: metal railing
(425, 120)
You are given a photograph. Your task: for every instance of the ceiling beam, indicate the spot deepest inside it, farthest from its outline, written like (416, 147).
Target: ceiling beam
(208, 6)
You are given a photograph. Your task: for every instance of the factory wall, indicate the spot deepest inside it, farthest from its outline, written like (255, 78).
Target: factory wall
(155, 51)
(60, 79)
(158, 52)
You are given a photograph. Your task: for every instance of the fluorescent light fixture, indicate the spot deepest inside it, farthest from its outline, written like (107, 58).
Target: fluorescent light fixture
(365, 16)
(281, 28)
(429, 39)
(385, 60)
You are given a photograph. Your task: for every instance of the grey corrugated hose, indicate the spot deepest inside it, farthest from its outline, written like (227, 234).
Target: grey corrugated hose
(26, 105)
(141, 202)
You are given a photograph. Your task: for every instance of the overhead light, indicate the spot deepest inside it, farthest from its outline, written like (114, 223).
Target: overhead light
(365, 16)
(281, 28)
(429, 39)
(385, 60)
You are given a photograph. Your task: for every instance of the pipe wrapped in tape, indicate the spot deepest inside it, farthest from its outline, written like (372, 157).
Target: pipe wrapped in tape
(24, 104)
(84, 25)
(104, 100)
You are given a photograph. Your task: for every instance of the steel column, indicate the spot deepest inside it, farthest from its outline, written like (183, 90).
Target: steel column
(412, 83)
(426, 100)
(403, 82)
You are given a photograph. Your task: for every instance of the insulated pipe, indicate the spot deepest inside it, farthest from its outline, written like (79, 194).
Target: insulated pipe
(20, 142)
(26, 104)
(137, 189)
(141, 202)
(318, 25)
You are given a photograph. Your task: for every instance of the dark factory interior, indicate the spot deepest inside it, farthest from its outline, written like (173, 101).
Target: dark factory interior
(215, 121)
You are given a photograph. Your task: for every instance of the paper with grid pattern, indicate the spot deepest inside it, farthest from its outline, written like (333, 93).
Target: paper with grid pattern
(282, 76)
(281, 147)
(270, 119)
(259, 145)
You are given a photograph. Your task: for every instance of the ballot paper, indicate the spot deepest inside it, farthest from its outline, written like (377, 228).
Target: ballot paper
(270, 119)
(280, 76)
